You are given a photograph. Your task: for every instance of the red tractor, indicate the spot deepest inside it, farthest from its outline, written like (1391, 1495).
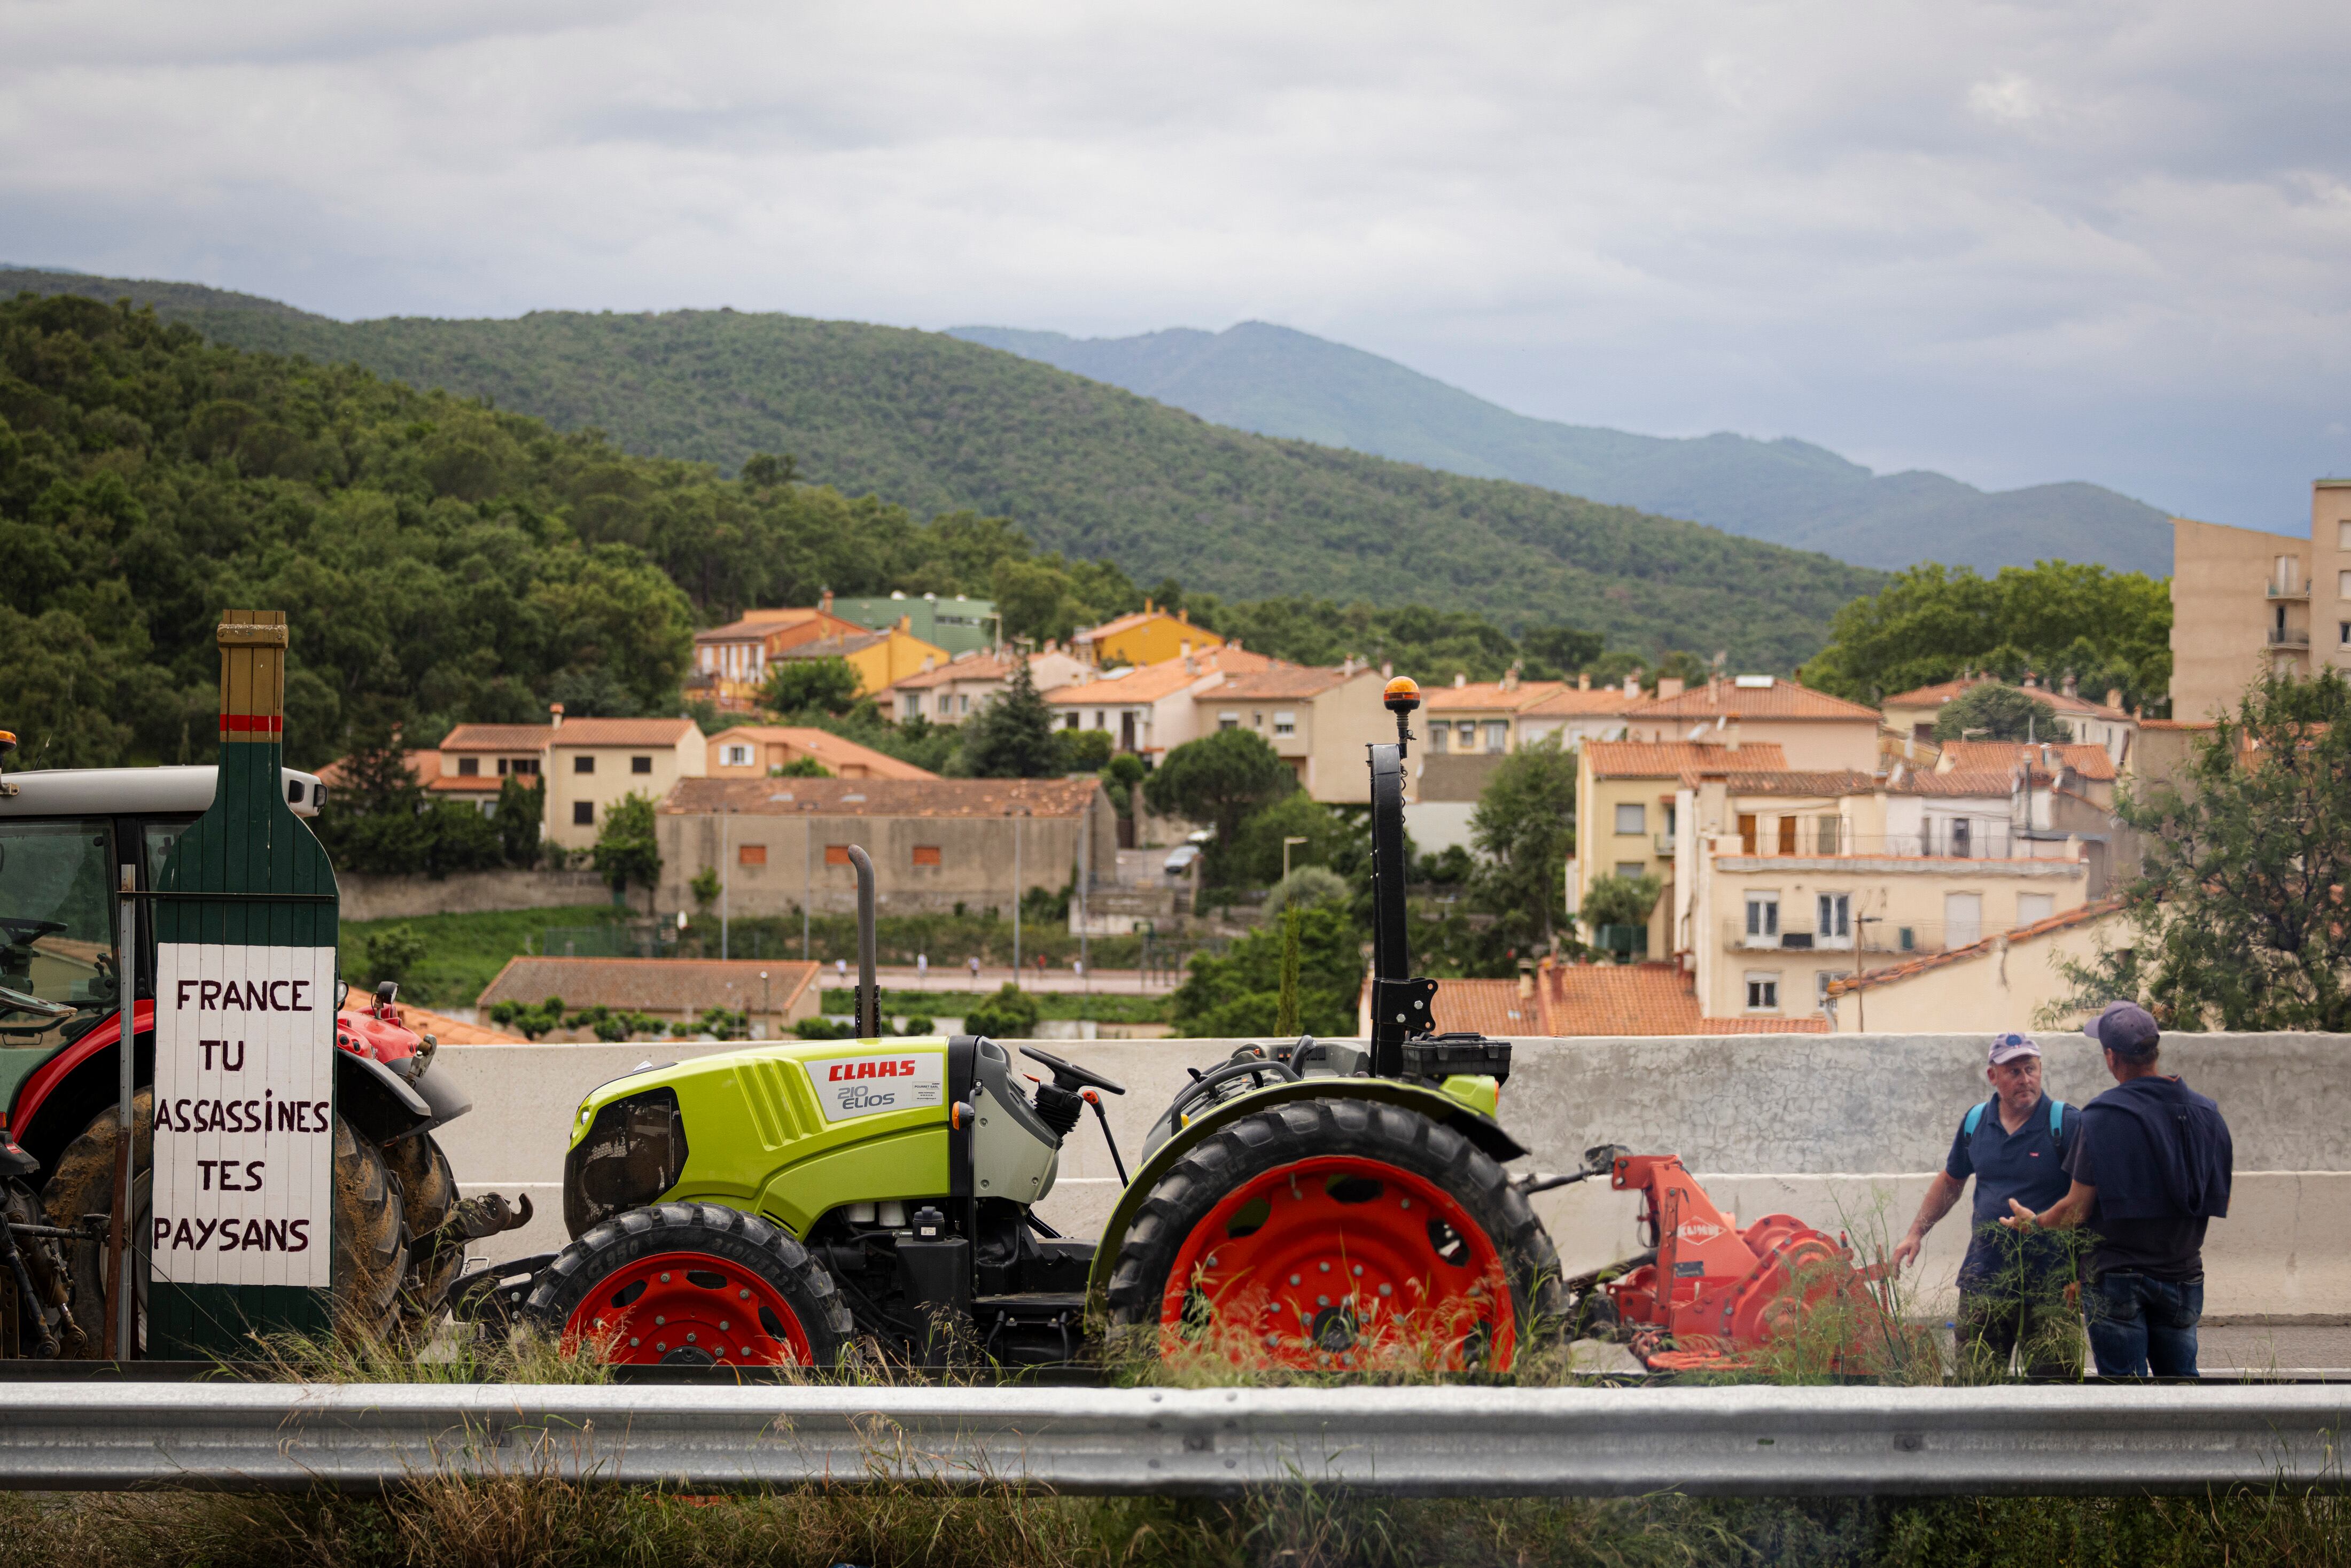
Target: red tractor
(63, 835)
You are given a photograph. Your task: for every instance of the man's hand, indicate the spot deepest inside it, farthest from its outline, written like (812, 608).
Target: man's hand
(1906, 1250)
(2020, 1217)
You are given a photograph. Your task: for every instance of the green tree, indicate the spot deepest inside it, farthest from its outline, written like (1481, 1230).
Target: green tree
(1012, 736)
(2239, 915)
(2111, 630)
(796, 686)
(1285, 1012)
(390, 954)
(1306, 887)
(522, 809)
(1238, 993)
(628, 853)
(1557, 653)
(1619, 901)
(1524, 826)
(802, 767)
(1221, 780)
(2000, 713)
(1084, 751)
(1119, 775)
(1009, 1014)
(705, 888)
(528, 1020)
(1334, 841)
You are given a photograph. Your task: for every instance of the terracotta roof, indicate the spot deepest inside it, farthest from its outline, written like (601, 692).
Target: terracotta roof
(1575, 700)
(654, 985)
(881, 797)
(623, 732)
(2039, 928)
(1283, 681)
(1486, 1007)
(1942, 691)
(740, 631)
(1574, 999)
(1780, 699)
(424, 766)
(2186, 724)
(1789, 781)
(440, 1026)
(1672, 758)
(984, 665)
(1134, 619)
(1150, 682)
(1973, 782)
(830, 749)
(1489, 696)
(499, 736)
(2090, 761)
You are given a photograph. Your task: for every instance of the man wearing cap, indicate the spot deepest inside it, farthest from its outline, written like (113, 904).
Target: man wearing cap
(2014, 1145)
(2153, 1165)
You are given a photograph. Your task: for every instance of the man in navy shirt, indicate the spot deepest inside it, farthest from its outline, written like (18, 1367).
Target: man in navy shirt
(2011, 1287)
(2152, 1166)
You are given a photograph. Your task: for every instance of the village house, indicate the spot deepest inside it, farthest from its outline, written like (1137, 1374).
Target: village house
(1318, 720)
(879, 659)
(780, 845)
(1551, 1000)
(730, 661)
(1147, 709)
(1150, 636)
(1573, 715)
(951, 693)
(1814, 729)
(593, 763)
(1914, 714)
(2002, 982)
(757, 750)
(1480, 717)
(1625, 795)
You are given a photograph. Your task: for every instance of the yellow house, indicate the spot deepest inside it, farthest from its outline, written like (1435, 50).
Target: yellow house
(1626, 821)
(881, 659)
(1148, 636)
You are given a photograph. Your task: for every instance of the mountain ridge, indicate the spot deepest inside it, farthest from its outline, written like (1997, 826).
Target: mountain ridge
(1277, 381)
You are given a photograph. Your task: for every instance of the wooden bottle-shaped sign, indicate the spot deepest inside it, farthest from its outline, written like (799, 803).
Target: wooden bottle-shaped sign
(242, 1239)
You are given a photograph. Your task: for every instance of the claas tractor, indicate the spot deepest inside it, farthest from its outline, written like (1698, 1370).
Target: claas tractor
(1310, 1203)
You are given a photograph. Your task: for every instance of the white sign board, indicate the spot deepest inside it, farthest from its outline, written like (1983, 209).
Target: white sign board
(245, 1128)
(849, 1086)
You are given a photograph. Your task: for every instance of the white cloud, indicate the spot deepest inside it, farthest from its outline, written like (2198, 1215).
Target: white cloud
(2017, 243)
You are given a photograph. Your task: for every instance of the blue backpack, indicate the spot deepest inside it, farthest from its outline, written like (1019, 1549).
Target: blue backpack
(2056, 1120)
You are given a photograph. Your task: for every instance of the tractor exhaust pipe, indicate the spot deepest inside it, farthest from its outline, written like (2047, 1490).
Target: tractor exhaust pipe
(869, 992)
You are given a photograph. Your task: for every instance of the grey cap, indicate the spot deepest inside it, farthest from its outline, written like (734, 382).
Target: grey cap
(2126, 1029)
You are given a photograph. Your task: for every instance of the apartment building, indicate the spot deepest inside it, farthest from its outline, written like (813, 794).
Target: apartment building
(1318, 720)
(1627, 814)
(951, 693)
(1150, 636)
(592, 763)
(1788, 881)
(759, 750)
(1813, 729)
(1147, 709)
(2245, 602)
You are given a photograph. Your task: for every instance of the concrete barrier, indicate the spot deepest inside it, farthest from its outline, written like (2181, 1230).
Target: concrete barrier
(1843, 1131)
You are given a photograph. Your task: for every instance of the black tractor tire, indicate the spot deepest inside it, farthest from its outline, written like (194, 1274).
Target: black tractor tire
(743, 1241)
(371, 1242)
(428, 1191)
(1240, 1152)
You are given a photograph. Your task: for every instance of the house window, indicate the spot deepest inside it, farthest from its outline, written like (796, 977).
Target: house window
(1962, 837)
(1632, 817)
(1746, 833)
(751, 854)
(469, 766)
(1827, 835)
(2032, 908)
(1762, 915)
(1632, 870)
(1438, 734)
(1070, 724)
(641, 765)
(583, 813)
(583, 763)
(1256, 721)
(734, 757)
(836, 854)
(2343, 536)
(1668, 808)
(1833, 914)
(1497, 734)
(963, 704)
(1762, 993)
(1285, 723)
(1787, 835)
(1466, 735)
(526, 765)
(1962, 919)
(926, 854)
(1821, 979)
(1229, 721)
(1907, 938)
(2343, 631)
(502, 767)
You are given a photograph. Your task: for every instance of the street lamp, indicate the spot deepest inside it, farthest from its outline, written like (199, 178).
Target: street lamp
(767, 1001)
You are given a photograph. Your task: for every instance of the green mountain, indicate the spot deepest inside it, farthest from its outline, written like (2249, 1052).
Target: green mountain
(1279, 381)
(936, 424)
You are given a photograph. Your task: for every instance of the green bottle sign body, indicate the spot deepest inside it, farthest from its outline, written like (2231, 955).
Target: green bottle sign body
(241, 1236)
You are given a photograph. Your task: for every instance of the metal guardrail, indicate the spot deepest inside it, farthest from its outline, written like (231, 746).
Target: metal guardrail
(1450, 1441)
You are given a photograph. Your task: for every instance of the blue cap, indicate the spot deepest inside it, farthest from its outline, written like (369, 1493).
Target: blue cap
(2009, 1046)
(2126, 1029)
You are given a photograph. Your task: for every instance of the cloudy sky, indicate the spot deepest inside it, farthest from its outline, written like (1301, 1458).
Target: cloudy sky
(2015, 243)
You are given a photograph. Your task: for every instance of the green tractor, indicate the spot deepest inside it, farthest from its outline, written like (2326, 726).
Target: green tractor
(1310, 1203)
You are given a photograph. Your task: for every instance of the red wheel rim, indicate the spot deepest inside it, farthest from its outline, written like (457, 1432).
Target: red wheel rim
(1339, 1263)
(689, 1308)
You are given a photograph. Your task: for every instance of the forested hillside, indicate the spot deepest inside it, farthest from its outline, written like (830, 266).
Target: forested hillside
(440, 560)
(936, 425)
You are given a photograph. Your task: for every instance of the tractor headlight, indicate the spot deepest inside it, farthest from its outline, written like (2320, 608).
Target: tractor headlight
(634, 1152)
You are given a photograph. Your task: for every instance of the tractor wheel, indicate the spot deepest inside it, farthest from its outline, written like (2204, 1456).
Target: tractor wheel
(428, 1191)
(370, 1244)
(693, 1284)
(1337, 1233)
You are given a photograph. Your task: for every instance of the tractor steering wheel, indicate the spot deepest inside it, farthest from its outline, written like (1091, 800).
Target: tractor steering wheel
(23, 932)
(1069, 1075)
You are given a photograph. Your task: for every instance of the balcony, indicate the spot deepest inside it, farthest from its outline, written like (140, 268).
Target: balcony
(2289, 636)
(2290, 590)
(1735, 935)
(1939, 838)
(1665, 842)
